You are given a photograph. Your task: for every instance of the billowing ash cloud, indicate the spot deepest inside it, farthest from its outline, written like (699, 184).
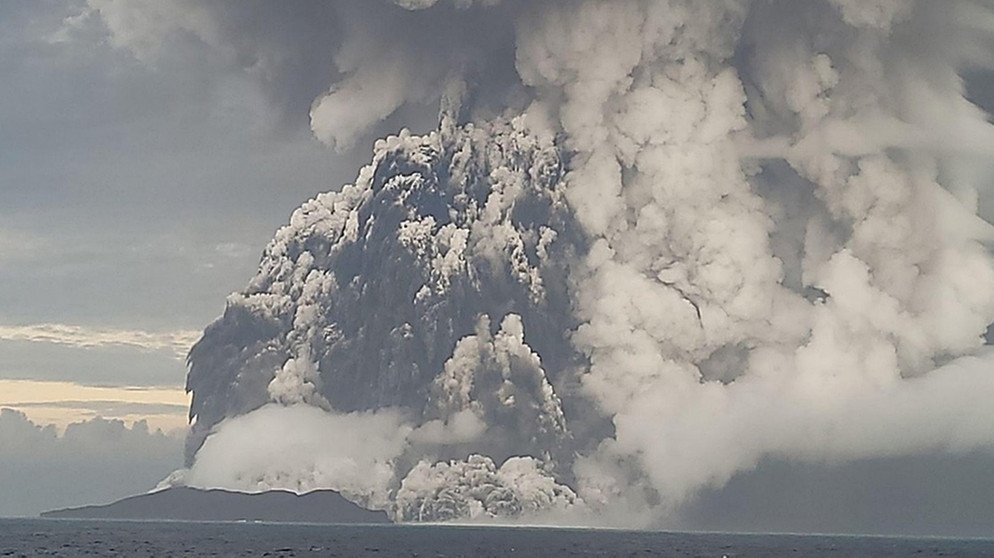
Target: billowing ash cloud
(650, 244)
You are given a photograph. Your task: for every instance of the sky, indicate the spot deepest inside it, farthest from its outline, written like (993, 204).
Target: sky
(133, 200)
(135, 195)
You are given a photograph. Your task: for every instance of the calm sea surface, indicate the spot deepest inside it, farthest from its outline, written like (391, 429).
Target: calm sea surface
(92, 538)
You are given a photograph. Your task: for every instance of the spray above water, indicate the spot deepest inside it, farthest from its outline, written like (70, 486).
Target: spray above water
(650, 244)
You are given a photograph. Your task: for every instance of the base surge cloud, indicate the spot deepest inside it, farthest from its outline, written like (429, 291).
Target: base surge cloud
(650, 244)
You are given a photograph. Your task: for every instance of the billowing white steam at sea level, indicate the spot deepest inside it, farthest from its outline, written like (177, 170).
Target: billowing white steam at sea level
(685, 236)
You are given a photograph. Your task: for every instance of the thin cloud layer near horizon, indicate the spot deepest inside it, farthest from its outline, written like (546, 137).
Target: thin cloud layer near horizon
(150, 152)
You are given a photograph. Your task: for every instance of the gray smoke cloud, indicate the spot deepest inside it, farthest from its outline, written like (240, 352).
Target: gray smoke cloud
(762, 223)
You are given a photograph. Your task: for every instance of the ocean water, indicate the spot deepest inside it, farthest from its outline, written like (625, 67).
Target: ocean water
(70, 538)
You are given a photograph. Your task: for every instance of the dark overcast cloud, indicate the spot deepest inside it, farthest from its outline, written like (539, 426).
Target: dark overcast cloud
(133, 196)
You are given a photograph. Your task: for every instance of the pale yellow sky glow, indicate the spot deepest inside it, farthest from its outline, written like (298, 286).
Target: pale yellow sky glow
(62, 403)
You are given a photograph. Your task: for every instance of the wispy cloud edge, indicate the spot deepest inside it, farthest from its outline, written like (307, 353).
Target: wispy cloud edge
(178, 342)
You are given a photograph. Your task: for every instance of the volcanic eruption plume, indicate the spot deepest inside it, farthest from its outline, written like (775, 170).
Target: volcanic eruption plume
(649, 244)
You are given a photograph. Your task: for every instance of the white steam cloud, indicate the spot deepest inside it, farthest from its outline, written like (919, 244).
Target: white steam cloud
(781, 250)
(301, 448)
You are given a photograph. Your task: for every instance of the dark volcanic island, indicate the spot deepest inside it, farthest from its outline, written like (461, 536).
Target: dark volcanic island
(191, 504)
